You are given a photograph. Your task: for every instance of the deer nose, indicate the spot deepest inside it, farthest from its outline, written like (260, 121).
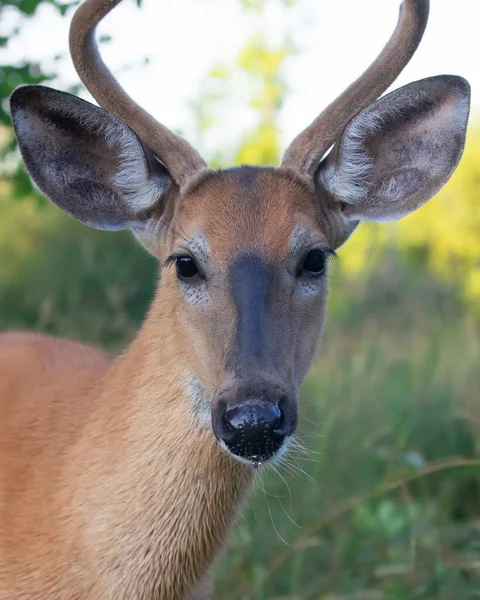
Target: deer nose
(253, 430)
(267, 416)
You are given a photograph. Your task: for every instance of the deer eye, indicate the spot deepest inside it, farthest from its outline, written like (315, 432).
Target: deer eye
(186, 267)
(316, 261)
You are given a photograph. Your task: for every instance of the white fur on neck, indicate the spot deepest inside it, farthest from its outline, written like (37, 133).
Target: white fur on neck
(200, 401)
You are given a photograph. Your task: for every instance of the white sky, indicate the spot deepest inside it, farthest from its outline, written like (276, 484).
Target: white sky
(337, 39)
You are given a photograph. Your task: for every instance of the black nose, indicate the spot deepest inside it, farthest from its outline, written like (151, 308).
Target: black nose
(254, 430)
(268, 415)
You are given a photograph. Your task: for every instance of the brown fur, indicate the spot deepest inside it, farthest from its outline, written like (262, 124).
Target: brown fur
(103, 490)
(261, 205)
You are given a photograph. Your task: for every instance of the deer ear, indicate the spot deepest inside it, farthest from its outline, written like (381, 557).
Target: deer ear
(399, 151)
(86, 160)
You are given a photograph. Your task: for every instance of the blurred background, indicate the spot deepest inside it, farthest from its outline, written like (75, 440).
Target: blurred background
(383, 500)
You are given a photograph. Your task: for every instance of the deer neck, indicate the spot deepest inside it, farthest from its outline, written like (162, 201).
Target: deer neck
(163, 494)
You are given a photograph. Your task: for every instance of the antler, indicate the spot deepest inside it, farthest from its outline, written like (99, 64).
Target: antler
(307, 149)
(181, 159)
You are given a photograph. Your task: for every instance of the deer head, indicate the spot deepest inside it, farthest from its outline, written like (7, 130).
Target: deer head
(245, 250)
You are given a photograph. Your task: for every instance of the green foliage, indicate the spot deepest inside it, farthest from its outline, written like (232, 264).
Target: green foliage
(12, 76)
(62, 278)
(28, 7)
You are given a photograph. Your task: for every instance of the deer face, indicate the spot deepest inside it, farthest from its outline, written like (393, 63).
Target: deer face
(245, 251)
(246, 268)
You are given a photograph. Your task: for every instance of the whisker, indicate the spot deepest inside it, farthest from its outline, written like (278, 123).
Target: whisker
(277, 472)
(308, 420)
(273, 524)
(288, 467)
(302, 471)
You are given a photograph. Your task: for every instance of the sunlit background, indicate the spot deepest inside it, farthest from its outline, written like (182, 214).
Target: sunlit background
(384, 503)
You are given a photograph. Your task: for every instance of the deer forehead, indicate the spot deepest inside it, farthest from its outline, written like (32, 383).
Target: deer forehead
(249, 210)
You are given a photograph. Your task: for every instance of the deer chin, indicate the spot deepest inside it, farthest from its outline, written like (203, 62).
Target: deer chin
(257, 462)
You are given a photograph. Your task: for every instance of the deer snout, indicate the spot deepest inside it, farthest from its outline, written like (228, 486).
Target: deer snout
(254, 428)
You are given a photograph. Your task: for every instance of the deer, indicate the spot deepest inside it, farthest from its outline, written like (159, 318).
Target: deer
(121, 477)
